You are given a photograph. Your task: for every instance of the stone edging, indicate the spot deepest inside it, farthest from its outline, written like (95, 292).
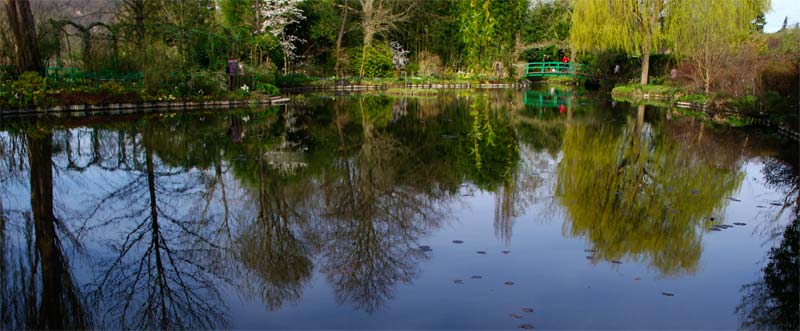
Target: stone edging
(131, 108)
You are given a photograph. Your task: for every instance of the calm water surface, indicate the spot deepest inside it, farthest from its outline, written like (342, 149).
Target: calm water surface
(342, 212)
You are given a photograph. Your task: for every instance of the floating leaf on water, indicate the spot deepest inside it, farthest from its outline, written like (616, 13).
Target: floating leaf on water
(734, 199)
(776, 204)
(761, 206)
(425, 248)
(509, 283)
(667, 294)
(716, 229)
(527, 309)
(515, 315)
(615, 261)
(476, 277)
(739, 223)
(526, 326)
(458, 241)
(458, 281)
(637, 278)
(480, 252)
(506, 252)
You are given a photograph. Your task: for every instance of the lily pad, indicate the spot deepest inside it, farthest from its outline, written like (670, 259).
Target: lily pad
(667, 294)
(715, 229)
(509, 283)
(480, 252)
(506, 252)
(458, 241)
(526, 326)
(615, 261)
(739, 223)
(476, 277)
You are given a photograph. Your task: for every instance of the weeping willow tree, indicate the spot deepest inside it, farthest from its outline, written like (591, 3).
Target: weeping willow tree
(637, 192)
(478, 31)
(631, 26)
(705, 31)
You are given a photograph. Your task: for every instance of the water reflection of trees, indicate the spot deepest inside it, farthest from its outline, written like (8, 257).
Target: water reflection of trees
(374, 219)
(159, 276)
(38, 288)
(772, 303)
(633, 191)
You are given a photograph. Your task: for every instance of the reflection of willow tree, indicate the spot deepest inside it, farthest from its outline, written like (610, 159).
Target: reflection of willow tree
(370, 244)
(634, 192)
(159, 278)
(774, 302)
(41, 293)
(494, 152)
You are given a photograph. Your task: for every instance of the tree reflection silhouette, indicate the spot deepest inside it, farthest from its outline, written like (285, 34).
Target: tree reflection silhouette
(371, 242)
(41, 292)
(633, 191)
(160, 277)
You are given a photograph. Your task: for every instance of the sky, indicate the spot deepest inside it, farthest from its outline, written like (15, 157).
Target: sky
(780, 10)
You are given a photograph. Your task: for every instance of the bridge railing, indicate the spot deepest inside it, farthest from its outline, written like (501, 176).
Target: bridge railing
(553, 69)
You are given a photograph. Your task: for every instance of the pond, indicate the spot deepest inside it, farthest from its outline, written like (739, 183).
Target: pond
(507, 209)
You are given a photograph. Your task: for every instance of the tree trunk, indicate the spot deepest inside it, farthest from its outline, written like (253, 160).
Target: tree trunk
(20, 20)
(339, 40)
(645, 65)
(137, 7)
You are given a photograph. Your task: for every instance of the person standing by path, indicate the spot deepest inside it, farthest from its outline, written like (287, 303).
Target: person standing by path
(232, 69)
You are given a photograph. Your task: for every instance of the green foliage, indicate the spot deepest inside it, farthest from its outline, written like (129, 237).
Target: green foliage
(548, 24)
(236, 13)
(111, 88)
(377, 60)
(267, 88)
(28, 89)
(293, 79)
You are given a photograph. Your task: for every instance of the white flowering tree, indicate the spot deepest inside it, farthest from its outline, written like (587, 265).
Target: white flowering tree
(399, 58)
(277, 15)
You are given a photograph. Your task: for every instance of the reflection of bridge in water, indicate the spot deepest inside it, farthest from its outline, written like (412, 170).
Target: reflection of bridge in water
(554, 98)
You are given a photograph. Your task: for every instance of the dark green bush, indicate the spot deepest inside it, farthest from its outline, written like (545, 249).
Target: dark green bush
(267, 88)
(293, 79)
